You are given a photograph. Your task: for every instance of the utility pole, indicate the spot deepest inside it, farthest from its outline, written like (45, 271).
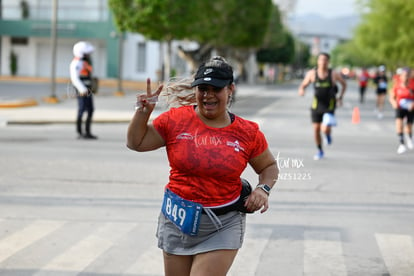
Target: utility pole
(1, 16)
(53, 42)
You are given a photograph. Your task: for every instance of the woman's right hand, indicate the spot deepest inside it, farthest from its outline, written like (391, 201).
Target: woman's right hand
(146, 102)
(142, 136)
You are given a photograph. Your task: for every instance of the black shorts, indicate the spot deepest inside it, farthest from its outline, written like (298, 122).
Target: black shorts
(404, 113)
(381, 91)
(317, 115)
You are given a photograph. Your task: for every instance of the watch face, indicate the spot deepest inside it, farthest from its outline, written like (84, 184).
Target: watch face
(265, 188)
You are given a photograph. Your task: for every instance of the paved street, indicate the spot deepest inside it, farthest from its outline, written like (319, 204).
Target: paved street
(76, 207)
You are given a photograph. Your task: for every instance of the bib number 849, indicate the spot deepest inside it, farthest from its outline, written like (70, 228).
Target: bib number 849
(175, 212)
(183, 213)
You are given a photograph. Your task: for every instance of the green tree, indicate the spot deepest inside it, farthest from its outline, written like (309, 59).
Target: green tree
(349, 53)
(239, 23)
(155, 19)
(302, 55)
(275, 35)
(224, 24)
(237, 28)
(283, 53)
(162, 20)
(278, 45)
(386, 31)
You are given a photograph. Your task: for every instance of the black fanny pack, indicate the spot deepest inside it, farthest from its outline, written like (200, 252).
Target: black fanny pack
(239, 204)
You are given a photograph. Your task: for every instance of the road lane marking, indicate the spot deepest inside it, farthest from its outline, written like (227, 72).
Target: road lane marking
(80, 255)
(283, 254)
(28, 235)
(248, 257)
(398, 253)
(149, 263)
(323, 254)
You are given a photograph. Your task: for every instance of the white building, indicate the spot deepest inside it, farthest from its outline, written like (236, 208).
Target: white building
(29, 37)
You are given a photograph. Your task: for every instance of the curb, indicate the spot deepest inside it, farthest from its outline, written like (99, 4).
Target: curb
(108, 83)
(49, 122)
(18, 103)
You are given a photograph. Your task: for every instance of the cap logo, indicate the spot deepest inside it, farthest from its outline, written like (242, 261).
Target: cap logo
(208, 71)
(207, 79)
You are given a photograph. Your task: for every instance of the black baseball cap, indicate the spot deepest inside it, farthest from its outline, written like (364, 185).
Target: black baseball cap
(215, 76)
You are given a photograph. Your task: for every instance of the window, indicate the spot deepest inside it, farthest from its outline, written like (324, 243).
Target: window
(19, 40)
(141, 57)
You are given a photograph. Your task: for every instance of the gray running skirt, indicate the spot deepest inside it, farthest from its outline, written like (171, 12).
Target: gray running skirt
(229, 236)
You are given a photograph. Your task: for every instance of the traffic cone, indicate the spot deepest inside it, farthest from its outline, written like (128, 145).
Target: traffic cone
(355, 116)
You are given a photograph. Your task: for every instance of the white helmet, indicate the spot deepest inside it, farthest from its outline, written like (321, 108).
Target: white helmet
(81, 48)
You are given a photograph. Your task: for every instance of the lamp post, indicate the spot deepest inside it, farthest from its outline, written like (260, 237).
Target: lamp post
(53, 42)
(1, 16)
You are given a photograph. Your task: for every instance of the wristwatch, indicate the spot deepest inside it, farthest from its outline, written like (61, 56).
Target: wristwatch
(265, 188)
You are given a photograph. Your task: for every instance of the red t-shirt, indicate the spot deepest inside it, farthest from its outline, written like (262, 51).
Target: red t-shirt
(404, 92)
(363, 78)
(206, 162)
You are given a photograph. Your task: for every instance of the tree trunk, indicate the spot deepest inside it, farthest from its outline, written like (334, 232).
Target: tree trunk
(252, 68)
(195, 57)
(167, 60)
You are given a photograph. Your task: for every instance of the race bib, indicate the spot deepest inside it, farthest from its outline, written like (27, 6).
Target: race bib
(406, 104)
(382, 85)
(183, 213)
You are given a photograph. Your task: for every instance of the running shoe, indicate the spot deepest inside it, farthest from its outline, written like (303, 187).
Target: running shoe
(401, 149)
(318, 156)
(410, 143)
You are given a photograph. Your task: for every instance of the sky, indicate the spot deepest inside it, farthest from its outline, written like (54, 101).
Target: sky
(325, 8)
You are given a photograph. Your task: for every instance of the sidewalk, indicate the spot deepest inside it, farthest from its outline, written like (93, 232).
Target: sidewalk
(110, 107)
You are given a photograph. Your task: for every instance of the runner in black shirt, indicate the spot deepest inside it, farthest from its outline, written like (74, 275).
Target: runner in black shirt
(325, 99)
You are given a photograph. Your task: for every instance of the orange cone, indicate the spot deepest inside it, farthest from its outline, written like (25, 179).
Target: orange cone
(355, 116)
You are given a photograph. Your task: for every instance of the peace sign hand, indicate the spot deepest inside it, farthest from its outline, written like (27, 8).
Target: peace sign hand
(146, 102)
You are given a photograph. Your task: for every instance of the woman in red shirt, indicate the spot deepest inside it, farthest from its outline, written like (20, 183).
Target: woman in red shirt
(363, 79)
(200, 227)
(402, 99)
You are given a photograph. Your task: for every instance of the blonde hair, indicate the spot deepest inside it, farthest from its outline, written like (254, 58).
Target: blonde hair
(178, 91)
